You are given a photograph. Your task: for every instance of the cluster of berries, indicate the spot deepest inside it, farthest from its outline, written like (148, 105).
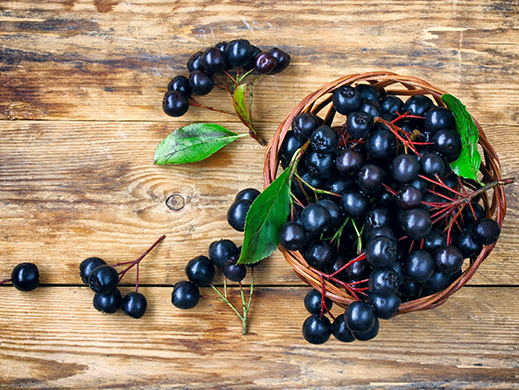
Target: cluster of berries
(104, 279)
(223, 254)
(205, 68)
(377, 209)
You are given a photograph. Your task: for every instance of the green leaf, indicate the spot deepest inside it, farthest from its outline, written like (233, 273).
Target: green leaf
(193, 143)
(238, 100)
(469, 161)
(265, 218)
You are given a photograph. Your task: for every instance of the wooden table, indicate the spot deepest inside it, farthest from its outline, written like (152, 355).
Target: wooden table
(81, 86)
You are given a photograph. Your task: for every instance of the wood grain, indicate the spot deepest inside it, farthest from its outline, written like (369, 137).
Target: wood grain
(469, 342)
(81, 86)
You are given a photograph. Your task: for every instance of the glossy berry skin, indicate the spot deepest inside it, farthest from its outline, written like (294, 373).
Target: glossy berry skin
(108, 303)
(367, 92)
(408, 197)
(200, 82)
(359, 316)
(319, 254)
(419, 266)
(448, 259)
(186, 295)
(334, 210)
(193, 63)
(486, 231)
(313, 300)
(213, 60)
(303, 125)
(87, 266)
(438, 118)
(410, 290)
(391, 104)
(438, 281)
(467, 244)
(320, 165)
(239, 52)
(354, 204)
(447, 142)
(316, 329)
(346, 99)
(222, 251)
(103, 279)
(237, 213)
(341, 331)
(293, 236)
(381, 251)
(433, 164)
(324, 139)
(386, 306)
(349, 161)
(134, 305)
(175, 103)
(282, 58)
(357, 271)
(416, 223)
(369, 178)
(25, 277)
(368, 334)
(234, 272)
(381, 144)
(251, 64)
(315, 219)
(265, 62)
(249, 194)
(417, 105)
(384, 281)
(434, 241)
(359, 123)
(405, 168)
(200, 271)
(181, 84)
(371, 107)
(289, 146)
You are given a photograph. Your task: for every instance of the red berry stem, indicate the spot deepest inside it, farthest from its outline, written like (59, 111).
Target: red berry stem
(323, 301)
(136, 262)
(5, 281)
(197, 104)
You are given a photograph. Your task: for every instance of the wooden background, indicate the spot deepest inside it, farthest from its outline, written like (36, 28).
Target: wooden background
(81, 85)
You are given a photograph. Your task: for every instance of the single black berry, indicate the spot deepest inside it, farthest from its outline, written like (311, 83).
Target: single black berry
(282, 58)
(324, 139)
(381, 144)
(134, 304)
(222, 251)
(249, 194)
(87, 266)
(360, 316)
(384, 281)
(319, 254)
(313, 302)
(447, 142)
(416, 223)
(293, 236)
(419, 266)
(213, 60)
(341, 331)
(349, 161)
(438, 118)
(354, 203)
(181, 84)
(25, 277)
(108, 303)
(185, 295)
(265, 62)
(175, 103)
(359, 123)
(381, 251)
(303, 125)
(386, 306)
(316, 329)
(346, 99)
(237, 213)
(315, 219)
(448, 259)
(239, 52)
(405, 168)
(487, 231)
(200, 271)
(193, 63)
(103, 279)
(234, 272)
(201, 82)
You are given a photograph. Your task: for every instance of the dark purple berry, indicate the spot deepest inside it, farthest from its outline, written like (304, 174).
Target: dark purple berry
(185, 295)
(25, 277)
(265, 62)
(282, 58)
(134, 304)
(201, 82)
(200, 271)
(175, 103)
(316, 329)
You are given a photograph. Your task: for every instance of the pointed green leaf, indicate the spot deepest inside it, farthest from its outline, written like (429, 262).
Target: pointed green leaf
(238, 99)
(265, 218)
(469, 161)
(193, 143)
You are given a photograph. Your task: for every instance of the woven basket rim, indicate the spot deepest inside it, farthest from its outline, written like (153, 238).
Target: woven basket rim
(490, 168)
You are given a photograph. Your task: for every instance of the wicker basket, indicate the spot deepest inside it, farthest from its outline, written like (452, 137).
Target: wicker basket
(319, 102)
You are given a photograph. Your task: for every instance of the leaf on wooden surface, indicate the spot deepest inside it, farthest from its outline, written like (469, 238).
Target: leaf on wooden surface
(468, 163)
(193, 143)
(265, 218)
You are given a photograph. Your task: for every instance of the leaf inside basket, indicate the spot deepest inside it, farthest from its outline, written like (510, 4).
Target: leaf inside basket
(469, 161)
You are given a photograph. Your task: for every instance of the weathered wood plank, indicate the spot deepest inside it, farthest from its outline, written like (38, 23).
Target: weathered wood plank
(77, 189)
(53, 338)
(109, 60)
